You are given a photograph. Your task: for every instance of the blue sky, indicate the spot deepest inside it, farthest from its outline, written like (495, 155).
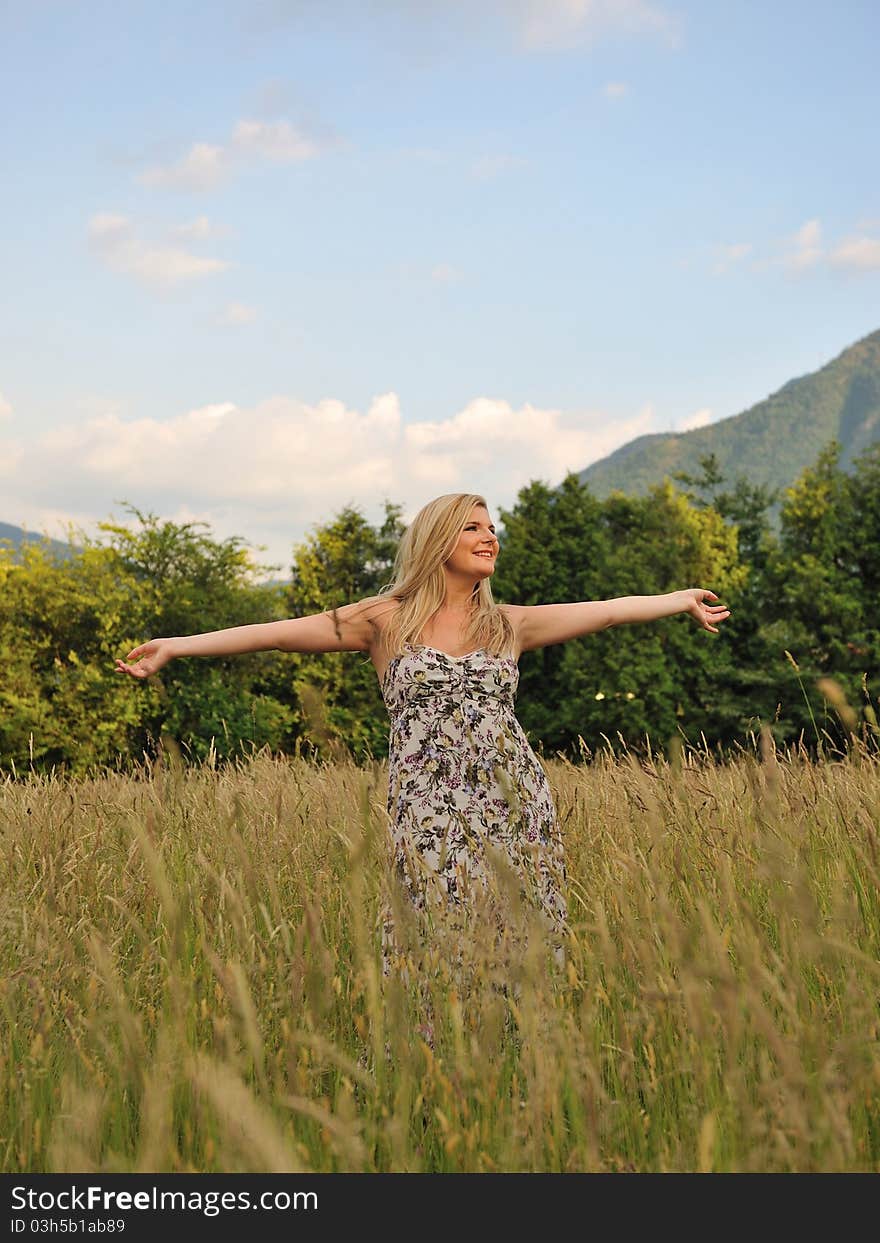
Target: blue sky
(262, 260)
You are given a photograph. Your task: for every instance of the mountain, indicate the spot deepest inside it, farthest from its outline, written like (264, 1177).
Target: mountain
(18, 536)
(770, 443)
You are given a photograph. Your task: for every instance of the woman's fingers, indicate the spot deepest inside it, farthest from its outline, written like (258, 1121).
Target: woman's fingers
(713, 613)
(141, 670)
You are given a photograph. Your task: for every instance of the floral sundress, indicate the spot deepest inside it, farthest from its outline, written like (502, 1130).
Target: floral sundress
(468, 799)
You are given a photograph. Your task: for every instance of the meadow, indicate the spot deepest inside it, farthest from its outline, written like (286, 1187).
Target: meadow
(190, 976)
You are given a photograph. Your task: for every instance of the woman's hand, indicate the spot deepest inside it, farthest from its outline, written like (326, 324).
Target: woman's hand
(702, 613)
(152, 656)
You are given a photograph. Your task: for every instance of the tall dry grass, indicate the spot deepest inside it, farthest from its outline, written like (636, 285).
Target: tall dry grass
(191, 977)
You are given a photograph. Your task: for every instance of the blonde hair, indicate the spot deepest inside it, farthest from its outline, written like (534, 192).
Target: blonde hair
(419, 584)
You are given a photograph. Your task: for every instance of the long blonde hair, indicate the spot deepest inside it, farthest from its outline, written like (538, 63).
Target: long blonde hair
(419, 584)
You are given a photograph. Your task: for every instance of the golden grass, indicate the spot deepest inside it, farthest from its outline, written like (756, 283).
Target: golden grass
(191, 977)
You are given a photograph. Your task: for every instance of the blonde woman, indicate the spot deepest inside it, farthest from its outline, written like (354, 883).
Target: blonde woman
(466, 793)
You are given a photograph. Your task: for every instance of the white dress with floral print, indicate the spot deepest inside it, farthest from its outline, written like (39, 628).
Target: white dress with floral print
(466, 790)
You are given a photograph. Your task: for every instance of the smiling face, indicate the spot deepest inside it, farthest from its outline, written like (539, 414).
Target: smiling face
(477, 548)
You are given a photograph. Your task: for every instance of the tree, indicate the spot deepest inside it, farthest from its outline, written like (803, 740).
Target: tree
(747, 506)
(334, 698)
(826, 578)
(188, 582)
(758, 687)
(60, 622)
(566, 545)
(63, 621)
(553, 547)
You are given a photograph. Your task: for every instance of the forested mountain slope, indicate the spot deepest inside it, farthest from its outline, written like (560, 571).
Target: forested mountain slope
(770, 443)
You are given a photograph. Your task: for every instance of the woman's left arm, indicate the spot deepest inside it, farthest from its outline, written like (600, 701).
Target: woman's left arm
(539, 625)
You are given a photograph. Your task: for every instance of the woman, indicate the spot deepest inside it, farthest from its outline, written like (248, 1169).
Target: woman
(468, 800)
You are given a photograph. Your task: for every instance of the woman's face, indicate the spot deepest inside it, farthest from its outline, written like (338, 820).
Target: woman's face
(477, 547)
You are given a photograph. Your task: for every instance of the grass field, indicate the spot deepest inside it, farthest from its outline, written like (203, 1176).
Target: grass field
(191, 978)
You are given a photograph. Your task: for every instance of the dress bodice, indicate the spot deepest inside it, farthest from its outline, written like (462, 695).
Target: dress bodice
(422, 676)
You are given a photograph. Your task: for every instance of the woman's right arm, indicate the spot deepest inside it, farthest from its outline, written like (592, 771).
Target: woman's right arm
(351, 628)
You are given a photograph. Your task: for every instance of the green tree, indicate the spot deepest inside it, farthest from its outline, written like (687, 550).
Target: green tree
(334, 698)
(554, 547)
(747, 506)
(60, 622)
(187, 583)
(63, 622)
(759, 680)
(826, 579)
(565, 545)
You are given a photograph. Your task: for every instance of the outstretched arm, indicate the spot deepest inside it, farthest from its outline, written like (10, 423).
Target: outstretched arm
(347, 629)
(540, 625)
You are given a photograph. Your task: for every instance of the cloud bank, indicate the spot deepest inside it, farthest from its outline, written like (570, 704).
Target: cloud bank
(269, 472)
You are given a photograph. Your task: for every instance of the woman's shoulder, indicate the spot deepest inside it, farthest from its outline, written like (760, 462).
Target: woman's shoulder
(514, 614)
(361, 622)
(377, 612)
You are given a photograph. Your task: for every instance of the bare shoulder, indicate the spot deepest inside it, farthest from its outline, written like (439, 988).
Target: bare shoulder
(378, 611)
(367, 618)
(515, 612)
(516, 616)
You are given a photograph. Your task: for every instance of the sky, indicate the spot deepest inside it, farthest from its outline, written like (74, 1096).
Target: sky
(263, 260)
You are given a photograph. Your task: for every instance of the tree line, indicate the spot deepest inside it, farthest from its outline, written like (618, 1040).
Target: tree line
(799, 654)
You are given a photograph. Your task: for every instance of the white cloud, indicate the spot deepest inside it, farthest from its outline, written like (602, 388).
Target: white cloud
(270, 471)
(113, 240)
(5, 408)
(202, 229)
(615, 90)
(206, 166)
(554, 25)
(862, 253)
(808, 235)
(203, 167)
(805, 247)
(235, 313)
(698, 419)
(277, 141)
(730, 254)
